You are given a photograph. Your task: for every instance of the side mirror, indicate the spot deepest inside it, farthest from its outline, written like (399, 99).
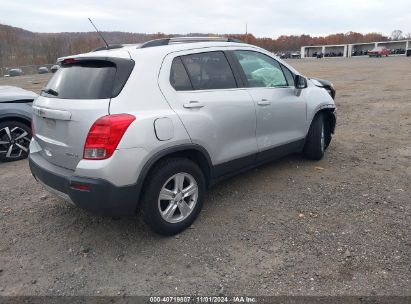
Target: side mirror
(300, 82)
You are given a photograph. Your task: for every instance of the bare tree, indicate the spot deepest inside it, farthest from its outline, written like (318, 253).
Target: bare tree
(396, 35)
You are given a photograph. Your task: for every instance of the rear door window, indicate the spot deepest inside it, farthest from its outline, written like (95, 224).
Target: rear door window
(179, 77)
(84, 80)
(209, 71)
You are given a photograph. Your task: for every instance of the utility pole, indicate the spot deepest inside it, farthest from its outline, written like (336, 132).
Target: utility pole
(246, 33)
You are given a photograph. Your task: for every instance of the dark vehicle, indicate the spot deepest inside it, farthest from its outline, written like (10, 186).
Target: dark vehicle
(290, 55)
(398, 51)
(284, 55)
(15, 121)
(43, 70)
(408, 53)
(333, 54)
(379, 52)
(359, 53)
(15, 72)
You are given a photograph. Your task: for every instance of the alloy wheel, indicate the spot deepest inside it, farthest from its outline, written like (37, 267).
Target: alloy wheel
(178, 197)
(14, 141)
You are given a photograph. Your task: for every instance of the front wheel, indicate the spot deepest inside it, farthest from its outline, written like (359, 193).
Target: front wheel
(14, 140)
(173, 195)
(317, 139)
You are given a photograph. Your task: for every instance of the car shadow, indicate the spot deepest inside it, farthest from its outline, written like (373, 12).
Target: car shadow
(100, 227)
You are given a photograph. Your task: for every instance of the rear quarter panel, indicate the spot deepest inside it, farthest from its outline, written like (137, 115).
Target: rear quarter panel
(142, 98)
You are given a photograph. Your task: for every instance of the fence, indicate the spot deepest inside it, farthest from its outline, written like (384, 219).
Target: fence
(27, 69)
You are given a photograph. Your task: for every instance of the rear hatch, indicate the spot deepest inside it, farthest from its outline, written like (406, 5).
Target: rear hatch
(76, 96)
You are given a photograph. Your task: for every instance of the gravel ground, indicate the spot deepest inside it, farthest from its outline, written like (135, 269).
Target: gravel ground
(340, 226)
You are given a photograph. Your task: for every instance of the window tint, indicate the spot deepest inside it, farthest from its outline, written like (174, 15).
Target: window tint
(289, 76)
(209, 71)
(86, 80)
(178, 76)
(261, 70)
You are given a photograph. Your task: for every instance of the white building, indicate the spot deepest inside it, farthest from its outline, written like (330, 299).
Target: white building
(354, 49)
(338, 50)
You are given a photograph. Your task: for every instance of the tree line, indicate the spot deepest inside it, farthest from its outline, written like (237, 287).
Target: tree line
(19, 47)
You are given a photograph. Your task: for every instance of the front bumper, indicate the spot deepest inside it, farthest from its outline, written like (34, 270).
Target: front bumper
(102, 198)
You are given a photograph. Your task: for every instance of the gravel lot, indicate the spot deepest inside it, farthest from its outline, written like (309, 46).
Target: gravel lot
(340, 226)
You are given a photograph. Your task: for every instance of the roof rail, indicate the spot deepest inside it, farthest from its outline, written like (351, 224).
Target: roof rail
(167, 41)
(109, 47)
(115, 46)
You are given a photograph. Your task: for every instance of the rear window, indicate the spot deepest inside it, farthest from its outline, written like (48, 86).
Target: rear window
(86, 80)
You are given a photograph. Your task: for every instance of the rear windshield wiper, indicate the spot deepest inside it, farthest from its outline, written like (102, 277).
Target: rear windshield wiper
(50, 91)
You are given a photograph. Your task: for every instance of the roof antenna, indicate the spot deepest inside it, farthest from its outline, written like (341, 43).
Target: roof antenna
(101, 36)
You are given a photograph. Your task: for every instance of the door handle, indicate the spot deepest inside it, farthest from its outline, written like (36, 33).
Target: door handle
(264, 102)
(193, 105)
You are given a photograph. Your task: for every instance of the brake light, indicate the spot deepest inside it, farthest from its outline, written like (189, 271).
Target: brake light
(69, 61)
(105, 135)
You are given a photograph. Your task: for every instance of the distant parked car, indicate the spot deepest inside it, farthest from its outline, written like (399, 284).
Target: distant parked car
(397, 51)
(379, 52)
(408, 52)
(54, 68)
(15, 72)
(43, 70)
(15, 122)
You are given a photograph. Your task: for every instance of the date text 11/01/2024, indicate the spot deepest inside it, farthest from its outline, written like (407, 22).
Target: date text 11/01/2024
(203, 299)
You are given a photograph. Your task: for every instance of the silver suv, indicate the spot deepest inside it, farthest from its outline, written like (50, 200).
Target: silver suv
(150, 127)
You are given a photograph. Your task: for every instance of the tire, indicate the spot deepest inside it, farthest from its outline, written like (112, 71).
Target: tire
(315, 142)
(176, 212)
(328, 135)
(14, 141)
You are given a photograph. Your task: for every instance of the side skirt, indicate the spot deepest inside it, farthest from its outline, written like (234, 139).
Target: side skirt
(234, 167)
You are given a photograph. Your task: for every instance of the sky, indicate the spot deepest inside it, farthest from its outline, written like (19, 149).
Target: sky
(265, 18)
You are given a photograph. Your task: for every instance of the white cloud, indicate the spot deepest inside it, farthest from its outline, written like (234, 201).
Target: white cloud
(264, 17)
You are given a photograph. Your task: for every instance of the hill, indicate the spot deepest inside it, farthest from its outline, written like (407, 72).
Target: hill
(21, 47)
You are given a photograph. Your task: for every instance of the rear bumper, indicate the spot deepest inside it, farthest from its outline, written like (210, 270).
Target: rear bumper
(103, 198)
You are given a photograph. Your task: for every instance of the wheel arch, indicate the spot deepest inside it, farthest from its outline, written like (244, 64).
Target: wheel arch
(194, 152)
(16, 117)
(329, 115)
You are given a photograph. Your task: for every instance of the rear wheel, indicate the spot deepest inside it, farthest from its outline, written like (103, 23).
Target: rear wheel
(14, 140)
(173, 195)
(317, 139)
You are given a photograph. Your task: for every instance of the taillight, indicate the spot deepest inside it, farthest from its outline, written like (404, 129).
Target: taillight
(105, 135)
